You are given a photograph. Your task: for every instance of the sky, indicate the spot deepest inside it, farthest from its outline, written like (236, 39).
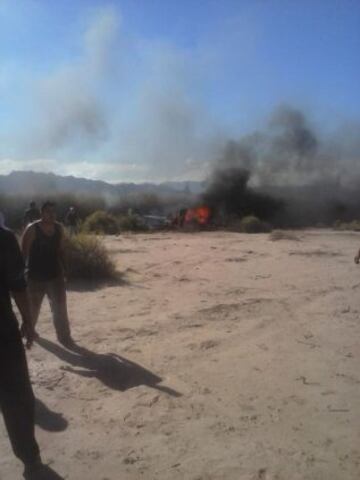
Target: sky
(150, 90)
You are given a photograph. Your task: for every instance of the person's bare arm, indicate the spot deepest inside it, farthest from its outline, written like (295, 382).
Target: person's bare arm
(62, 252)
(26, 242)
(14, 277)
(22, 302)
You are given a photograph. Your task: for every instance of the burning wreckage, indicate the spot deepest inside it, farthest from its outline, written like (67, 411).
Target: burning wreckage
(285, 175)
(228, 199)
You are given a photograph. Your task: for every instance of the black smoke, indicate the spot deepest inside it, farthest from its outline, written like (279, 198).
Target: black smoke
(228, 194)
(289, 174)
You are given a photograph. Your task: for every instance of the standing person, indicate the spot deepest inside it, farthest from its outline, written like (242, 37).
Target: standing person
(357, 257)
(71, 220)
(17, 400)
(182, 215)
(43, 249)
(31, 214)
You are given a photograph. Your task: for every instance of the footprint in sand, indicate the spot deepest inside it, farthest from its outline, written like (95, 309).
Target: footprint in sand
(315, 253)
(236, 259)
(328, 392)
(131, 270)
(146, 332)
(237, 291)
(249, 307)
(130, 460)
(261, 475)
(182, 279)
(186, 326)
(350, 379)
(207, 344)
(220, 309)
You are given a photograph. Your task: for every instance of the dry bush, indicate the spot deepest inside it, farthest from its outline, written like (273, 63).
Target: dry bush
(353, 226)
(100, 222)
(88, 259)
(250, 224)
(282, 235)
(131, 223)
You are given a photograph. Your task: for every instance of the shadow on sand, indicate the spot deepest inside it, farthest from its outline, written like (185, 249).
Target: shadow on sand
(112, 370)
(47, 419)
(78, 285)
(44, 472)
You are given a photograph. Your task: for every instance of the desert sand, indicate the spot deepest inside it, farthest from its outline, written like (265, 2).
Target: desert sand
(217, 356)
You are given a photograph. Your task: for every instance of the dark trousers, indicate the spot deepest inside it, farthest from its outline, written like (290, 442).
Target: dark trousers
(17, 400)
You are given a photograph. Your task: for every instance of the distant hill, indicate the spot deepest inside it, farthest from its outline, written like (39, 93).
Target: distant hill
(33, 184)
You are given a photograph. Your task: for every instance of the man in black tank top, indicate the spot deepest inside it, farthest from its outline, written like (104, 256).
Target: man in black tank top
(43, 249)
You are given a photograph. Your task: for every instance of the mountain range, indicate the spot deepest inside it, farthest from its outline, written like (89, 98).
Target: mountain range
(28, 183)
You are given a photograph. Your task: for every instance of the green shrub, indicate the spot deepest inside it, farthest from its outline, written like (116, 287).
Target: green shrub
(352, 226)
(101, 222)
(130, 223)
(88, 259)
(355, 225)
(252, 224)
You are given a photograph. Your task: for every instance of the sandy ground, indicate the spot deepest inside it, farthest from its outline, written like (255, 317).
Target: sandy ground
(220, 356)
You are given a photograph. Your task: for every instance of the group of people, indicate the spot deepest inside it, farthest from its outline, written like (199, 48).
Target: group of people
(28, 274)
(33, 213)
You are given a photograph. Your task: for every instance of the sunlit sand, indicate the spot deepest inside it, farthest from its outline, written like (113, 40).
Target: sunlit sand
(218, 356)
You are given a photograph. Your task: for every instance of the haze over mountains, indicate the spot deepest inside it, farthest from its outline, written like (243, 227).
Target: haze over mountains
(304, 205)
(34, 183)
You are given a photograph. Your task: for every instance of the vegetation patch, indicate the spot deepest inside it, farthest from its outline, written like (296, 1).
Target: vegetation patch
(250, 224)
(131, 223)
(101, 222)
(353, 226)
(87, 259)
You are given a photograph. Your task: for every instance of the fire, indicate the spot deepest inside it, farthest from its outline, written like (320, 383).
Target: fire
(200, 215)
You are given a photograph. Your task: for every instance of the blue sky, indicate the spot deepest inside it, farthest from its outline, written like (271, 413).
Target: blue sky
(150, 89)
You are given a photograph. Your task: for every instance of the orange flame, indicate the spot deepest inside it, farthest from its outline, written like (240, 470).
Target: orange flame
(201, 215)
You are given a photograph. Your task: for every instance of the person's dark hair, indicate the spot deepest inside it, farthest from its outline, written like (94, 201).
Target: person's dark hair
(32, 204)
(47, 204)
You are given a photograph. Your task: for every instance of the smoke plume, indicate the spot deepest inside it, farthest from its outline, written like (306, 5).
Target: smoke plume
(288, 173)
(290, 152)
(70, 113)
